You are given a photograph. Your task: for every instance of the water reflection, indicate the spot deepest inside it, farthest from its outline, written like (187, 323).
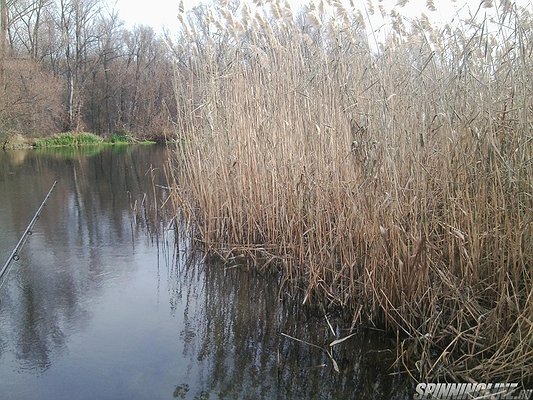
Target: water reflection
(233, 321)
(82, 242)
(103, 305)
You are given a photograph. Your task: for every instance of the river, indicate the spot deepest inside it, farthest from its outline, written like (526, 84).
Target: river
(107, 301)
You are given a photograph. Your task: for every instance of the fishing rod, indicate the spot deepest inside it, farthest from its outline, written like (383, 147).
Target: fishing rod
(14, 256)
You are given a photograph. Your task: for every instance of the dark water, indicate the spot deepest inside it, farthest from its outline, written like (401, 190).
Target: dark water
(106, 303)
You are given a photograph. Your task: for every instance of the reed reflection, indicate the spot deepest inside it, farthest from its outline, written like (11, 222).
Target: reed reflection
(233, 324)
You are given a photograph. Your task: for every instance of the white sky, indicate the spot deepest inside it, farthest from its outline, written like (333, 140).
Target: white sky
(156, 13)
(163, 13)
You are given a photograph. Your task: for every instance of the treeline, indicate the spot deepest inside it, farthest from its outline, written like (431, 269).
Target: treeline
(72, 65)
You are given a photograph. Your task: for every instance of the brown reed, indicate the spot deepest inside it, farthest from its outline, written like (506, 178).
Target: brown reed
(394, 181)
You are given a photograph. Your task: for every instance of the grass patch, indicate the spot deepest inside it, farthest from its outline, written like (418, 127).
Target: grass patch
(120, 139)
(70, 139)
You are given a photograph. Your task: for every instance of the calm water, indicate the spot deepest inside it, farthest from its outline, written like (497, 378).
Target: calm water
(107, 303)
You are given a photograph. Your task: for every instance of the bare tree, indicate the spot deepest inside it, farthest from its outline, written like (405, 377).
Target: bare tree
(109, 51)
(77, 27)
(3, 41)
(106, 77)
(149, 71)
(25, 25)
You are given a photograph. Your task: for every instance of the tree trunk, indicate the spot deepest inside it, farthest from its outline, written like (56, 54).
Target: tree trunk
(3, 44)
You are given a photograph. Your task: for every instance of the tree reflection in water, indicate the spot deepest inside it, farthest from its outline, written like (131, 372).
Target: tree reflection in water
(74, 248)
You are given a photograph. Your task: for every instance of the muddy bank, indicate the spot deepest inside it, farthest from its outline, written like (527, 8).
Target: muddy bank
(16, 141)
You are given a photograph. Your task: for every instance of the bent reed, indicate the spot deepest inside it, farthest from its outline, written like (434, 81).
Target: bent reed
(392, 178)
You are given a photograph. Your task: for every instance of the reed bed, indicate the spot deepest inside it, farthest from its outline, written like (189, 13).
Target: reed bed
(390, 177)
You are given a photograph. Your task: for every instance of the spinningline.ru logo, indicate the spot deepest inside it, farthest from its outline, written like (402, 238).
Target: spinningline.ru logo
(469, 391)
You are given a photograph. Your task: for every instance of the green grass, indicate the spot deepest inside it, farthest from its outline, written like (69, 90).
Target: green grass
(73, 139)
(70, 139)
(120, 138)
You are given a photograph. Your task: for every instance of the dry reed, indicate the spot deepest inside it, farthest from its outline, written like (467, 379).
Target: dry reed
(395, 182)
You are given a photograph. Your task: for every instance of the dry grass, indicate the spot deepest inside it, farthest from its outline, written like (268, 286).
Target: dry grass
(394, 183)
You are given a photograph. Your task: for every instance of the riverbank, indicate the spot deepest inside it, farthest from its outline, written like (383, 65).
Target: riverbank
(71, 139)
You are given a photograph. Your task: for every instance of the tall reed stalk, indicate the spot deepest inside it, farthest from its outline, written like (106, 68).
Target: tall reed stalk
(392, 180)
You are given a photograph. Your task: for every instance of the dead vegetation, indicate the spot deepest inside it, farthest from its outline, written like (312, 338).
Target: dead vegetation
(393, 180)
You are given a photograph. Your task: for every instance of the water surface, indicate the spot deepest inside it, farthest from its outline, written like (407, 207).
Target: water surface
(107, 302)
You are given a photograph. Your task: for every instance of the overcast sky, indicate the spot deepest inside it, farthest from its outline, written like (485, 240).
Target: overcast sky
(162, 13)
